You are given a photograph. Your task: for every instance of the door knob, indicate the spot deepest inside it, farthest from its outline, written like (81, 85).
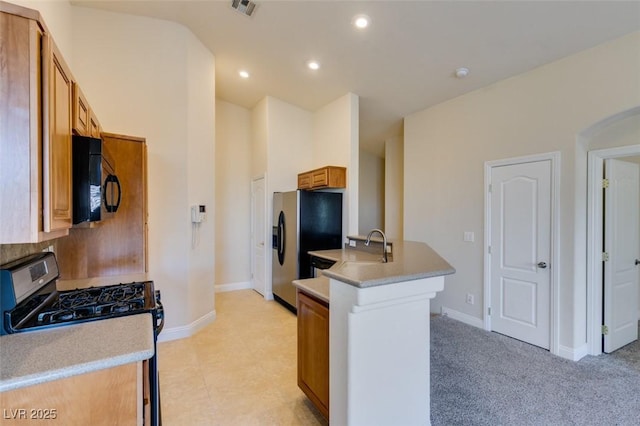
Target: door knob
(542, 265)
(637, 261)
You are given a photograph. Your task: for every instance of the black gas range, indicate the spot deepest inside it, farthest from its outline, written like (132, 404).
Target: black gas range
(29, 301)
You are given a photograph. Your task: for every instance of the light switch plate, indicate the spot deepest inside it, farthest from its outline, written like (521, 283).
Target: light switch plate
(469, 236)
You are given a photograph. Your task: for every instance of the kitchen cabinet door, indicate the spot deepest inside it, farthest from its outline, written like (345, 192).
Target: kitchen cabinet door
(304, 180)
(22, 125)
(94, 125)
(56, 147)
(324, 177)
(111, 396)
(81, 124)
(85, 121)
(313, 351)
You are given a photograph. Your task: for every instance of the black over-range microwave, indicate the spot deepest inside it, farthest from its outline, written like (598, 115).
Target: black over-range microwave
(96, 188)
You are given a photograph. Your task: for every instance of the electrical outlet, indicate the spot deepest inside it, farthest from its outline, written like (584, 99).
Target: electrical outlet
(352, 243)
(470, 298)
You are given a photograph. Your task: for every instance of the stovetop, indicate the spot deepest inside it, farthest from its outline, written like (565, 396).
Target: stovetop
(73, 306)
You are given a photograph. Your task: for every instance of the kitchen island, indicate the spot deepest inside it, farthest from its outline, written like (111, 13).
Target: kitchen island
(379, 332)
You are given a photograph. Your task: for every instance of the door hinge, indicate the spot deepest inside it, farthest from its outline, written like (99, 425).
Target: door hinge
(605, 256)
(489, 249)
(490, 187)
(489, 311)
(605, 330)
(605, 183)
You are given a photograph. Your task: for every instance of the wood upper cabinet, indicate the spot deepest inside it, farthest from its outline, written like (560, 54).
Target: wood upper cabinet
(94, 125)
(36, 177)
(85, 121)
(81, 125)
(313, 350)
(325, 177)
(56, 146)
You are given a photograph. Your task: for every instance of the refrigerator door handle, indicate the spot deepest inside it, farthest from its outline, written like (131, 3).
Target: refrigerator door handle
(281, 238)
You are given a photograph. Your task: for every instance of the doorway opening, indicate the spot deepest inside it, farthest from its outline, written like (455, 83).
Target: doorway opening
(596, 224)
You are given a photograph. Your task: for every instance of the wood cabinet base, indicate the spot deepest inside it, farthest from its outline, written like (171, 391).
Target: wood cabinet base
(104, 397)
(313, 351)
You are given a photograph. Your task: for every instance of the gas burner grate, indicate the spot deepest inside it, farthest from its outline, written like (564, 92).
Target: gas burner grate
(94, 302)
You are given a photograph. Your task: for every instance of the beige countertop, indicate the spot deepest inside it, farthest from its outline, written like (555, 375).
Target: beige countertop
(411, 260)
(317, 287)
(40, 356)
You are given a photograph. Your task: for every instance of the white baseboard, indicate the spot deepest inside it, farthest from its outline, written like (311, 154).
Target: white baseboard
(462, 317)
(573, 354)
(243, 285)
(181, 332)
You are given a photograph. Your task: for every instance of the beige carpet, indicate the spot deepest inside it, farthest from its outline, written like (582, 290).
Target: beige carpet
(482, 378)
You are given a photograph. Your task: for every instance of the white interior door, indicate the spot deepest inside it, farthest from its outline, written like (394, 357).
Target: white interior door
(258, 232)
(520, 243)
(622, 244)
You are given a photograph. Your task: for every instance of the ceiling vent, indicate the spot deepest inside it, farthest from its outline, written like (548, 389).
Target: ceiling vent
(246, 7)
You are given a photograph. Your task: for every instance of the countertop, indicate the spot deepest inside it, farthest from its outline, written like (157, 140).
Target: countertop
(411, 260)
(317, 287)
(40, 356)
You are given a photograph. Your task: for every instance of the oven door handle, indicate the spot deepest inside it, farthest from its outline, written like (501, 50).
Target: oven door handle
(159, 316)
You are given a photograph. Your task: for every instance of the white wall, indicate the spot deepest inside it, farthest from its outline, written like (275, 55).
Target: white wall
(541, 111)
(57, 16)
(289, 142)
(371, 203)
(336, 143)
(233, 193)
(201, 93)
(394, 188)
(259, 142)
(154, 79)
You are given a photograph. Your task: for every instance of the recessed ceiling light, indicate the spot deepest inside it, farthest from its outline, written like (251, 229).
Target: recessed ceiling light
(462, 72)
(313, 65)
(243, 74)
(361, 21)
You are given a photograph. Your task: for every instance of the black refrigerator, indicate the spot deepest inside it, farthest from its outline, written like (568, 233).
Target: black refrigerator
(302, 221)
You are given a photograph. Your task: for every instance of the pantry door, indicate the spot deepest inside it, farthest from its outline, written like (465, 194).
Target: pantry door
(622, 253)
(258, 233)
(520, 251)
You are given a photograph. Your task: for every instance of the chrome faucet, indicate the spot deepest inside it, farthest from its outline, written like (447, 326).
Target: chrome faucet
(384, 243)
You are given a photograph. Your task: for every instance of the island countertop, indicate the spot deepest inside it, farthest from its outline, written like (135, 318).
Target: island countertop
(411, 260)
(317, 287)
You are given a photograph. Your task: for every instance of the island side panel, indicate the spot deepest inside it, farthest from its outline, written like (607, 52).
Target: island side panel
(379, 352)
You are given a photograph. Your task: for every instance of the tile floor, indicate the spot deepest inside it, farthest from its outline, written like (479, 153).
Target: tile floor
(239, 370)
